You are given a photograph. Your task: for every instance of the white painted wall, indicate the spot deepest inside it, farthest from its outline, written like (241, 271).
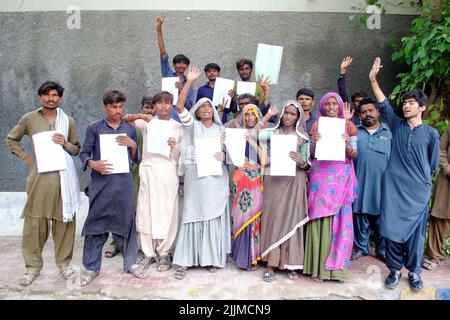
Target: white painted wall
(203, 5)
(11, 205)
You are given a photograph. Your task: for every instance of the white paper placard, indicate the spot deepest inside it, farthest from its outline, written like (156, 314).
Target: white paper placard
(331, 145)
(205, 148)
(281, 163)
(246, 87)
(221, 89)
(49, 155)
(114, 153)
(235, 143)
(169, 84)
(268, 62)
(158, 133)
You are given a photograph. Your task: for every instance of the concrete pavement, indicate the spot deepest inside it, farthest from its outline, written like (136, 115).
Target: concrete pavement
(365, 281)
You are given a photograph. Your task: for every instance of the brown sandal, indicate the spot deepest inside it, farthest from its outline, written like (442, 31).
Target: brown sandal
(163, 264)
(112, 252)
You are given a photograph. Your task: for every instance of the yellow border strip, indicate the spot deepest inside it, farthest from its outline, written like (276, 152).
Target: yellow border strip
(246, 224)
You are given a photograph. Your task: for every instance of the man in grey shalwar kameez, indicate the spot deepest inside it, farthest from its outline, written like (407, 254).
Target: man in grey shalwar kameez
(204, 238)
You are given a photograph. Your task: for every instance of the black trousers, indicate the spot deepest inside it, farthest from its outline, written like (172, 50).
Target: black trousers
(93, 245)
(410, 253)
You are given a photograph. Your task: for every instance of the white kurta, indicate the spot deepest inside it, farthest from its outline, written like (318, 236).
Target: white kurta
(157, 203)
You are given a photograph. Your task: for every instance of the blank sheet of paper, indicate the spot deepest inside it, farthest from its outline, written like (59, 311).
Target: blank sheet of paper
(158, 133)
(169, 84)
(281, 163)
(268, 62)
(246, 87)
(221, 88)
(207, 165)
(235, 143)
(114, 153)
(331, 145)
(49, 155)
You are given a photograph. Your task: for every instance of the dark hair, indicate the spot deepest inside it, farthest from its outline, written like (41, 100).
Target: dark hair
(161, 96)
(241, 62)
(210, 66)
(146, 100)
(252, 98)
(417, 95)
(358, 94)
(368, 100)
(48, 86)
(114, 96)
(181, 58)
(306, 92)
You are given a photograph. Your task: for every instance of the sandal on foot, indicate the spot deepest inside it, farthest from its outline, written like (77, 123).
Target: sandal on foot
(28, 278)
(137, 271)
(269, 276)
(87, 276)
(145, 263)
(316, 279)
(213, 269)
(254, 268)
(180, 273)
(67, 272)
(111, 252)
(430, 264)
(163, 263)
(293, 275)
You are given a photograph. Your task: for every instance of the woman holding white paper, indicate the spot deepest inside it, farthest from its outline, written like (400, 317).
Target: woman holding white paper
(284, 202)
(332, 189)
(247, 196)
(204, 237)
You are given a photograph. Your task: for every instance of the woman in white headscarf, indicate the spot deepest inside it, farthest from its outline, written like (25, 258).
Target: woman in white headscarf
(285, 205)
(204, 238)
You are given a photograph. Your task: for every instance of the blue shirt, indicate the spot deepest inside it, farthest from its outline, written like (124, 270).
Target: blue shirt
(310, 121)
(205, 91)
(407, 180)
(166, 71)
(373, 156)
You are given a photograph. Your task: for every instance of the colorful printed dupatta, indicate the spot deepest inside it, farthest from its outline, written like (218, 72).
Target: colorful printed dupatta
(332, 190)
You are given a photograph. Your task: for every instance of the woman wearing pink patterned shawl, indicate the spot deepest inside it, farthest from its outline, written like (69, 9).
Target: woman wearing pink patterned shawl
(332, 189)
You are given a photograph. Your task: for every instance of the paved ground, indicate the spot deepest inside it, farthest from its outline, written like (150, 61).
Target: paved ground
(365, 282)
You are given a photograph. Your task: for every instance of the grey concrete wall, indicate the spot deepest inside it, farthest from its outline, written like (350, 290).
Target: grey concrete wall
(118, 49)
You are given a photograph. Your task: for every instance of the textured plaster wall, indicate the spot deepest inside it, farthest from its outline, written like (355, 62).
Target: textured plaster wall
(118, 49)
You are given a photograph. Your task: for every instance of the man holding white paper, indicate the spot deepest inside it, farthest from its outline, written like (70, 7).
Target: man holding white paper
(260, 92)
(157, 202)
(52, 197)
(111, 195)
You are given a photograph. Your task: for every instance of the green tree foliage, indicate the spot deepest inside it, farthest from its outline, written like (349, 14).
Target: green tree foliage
(426, 51)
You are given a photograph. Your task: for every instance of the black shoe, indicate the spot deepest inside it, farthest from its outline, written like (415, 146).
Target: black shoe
(415, 282)
(356, 254)
(392, 280)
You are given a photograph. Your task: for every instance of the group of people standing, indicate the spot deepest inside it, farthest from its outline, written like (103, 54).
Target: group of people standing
(317, 220)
